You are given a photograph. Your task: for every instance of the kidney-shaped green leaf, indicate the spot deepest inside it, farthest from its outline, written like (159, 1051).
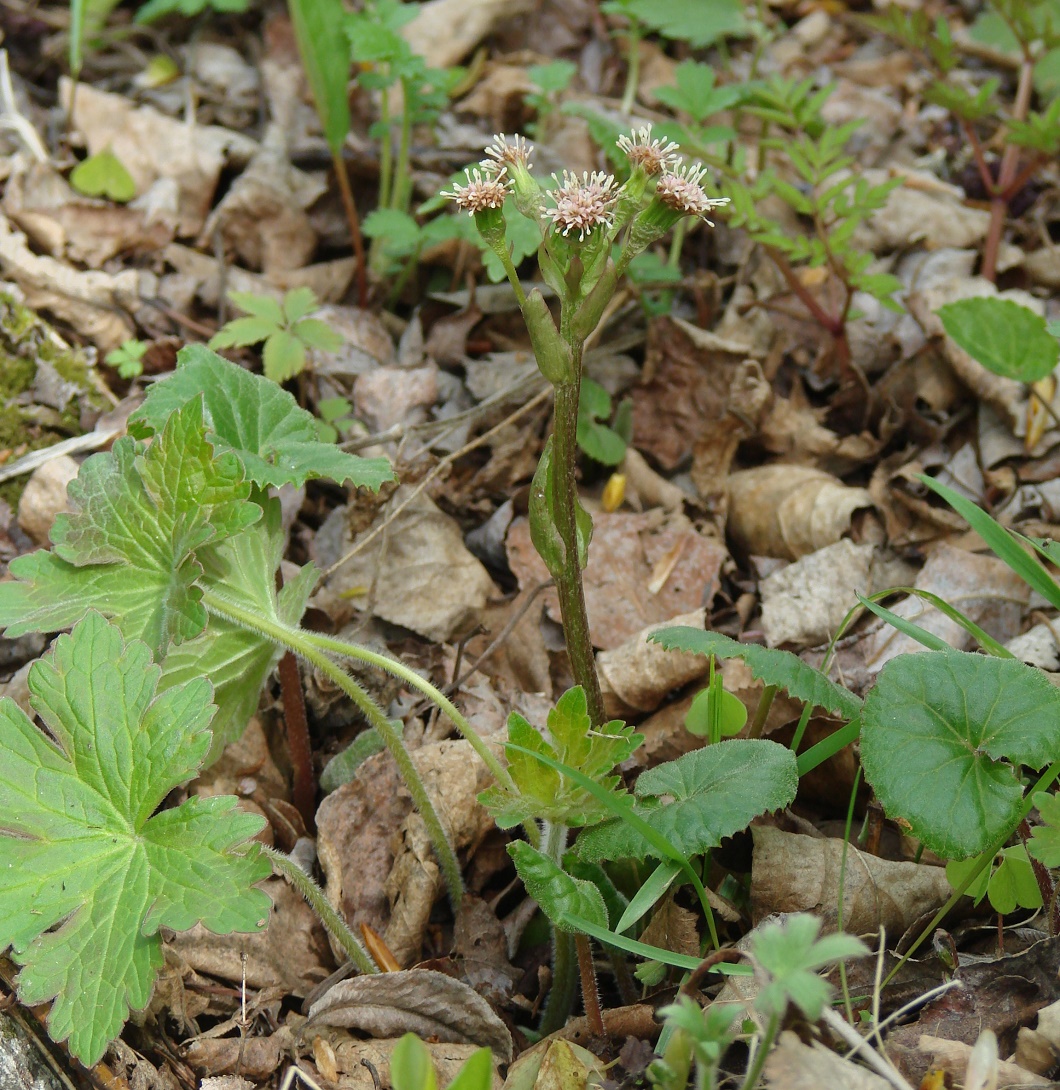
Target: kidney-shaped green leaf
(715, 792)
(941, 732)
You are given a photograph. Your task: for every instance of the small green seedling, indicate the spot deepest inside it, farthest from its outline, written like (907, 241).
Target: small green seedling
(1044, 844)
(103, 175)
(715, 713)
(411, 1068)
(128, 358)
(287, 330)
(550, 81)
(1008, 881)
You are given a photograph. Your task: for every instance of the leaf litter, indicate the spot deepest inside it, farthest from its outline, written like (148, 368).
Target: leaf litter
(767, 479)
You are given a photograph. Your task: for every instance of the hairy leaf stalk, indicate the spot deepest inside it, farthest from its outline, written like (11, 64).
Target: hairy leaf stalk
(296, 640)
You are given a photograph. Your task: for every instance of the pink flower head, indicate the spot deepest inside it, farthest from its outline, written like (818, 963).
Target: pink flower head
(507, 152)
(583, 205)
(652, 156)
(679, 188)
(480, 193)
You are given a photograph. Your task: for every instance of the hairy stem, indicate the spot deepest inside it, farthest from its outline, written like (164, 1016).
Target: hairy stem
(434, 694)
(569, 581)
(590, 991)
(294, 639)
(564, 985)
(287, 868)
(629, 95)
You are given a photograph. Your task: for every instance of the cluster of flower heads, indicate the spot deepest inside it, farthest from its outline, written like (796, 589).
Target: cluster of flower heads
(581, 204)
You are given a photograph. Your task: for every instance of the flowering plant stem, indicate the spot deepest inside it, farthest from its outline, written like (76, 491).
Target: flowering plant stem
(569, 585)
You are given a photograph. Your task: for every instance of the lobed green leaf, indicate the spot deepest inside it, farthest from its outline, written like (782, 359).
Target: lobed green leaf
(92, 871)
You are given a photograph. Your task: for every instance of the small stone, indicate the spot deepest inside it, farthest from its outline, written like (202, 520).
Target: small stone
(44, 497)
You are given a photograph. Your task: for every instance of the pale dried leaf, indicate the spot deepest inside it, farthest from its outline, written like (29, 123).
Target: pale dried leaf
(414, 1000)
(795, 873)
(791, 1065)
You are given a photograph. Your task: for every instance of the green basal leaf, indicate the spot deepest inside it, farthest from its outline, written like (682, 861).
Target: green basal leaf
(556, 892)
(261, 424)
(314, 333)
(544, 793)
(103, 175)
(128, 546)
(779, 668)
(712, 793)
(791, 954)
(298, 303)
(476, 1072)
(94, 872)
(938, 732)
(243, 332)
(699, 23)
(325, 50)
(596, 439)
(1006, 338)
(1045, 838)
(260, 306)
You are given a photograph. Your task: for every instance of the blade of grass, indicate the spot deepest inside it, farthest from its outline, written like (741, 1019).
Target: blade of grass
(658, 882)
(1003, 545)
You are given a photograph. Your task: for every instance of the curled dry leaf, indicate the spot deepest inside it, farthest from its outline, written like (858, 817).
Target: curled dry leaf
(420, 1001)
(151, 145)
(90, 302)
(795, 873)
(422, 575)
(955, 1058)
(444, 32)
(555, 1064)
(788, 511)
(637, 675)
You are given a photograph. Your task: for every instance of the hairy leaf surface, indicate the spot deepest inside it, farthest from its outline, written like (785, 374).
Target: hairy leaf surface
(715, 792)
(260, 423)
(90, 874)
(774, 667)
(128, 547)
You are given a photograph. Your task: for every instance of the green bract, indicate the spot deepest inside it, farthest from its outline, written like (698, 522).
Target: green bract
(90, 875)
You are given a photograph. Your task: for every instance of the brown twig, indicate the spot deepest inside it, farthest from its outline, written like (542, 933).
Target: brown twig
(304, 788)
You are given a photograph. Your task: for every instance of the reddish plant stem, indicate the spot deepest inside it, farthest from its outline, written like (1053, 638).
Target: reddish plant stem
(350, 207)
(304, 787)
(1006, 174)
(590, 993)
(836, 326)
(299, 748)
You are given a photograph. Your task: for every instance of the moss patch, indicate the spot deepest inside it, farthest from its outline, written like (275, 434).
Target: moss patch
(25, 340)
